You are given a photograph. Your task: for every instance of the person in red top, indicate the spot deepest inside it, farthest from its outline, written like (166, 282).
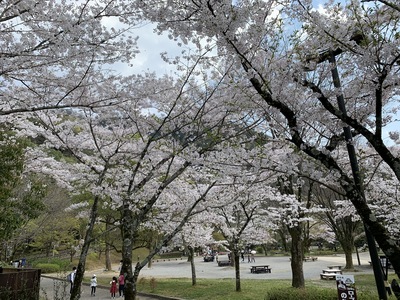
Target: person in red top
(113, 288)
(121, 284)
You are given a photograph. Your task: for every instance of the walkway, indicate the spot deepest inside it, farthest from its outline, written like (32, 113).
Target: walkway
(52, 288)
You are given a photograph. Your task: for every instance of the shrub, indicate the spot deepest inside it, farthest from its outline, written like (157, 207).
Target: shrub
(174, 254)
(312, 293)
(301, 294)
(48, 268)
(62, 264)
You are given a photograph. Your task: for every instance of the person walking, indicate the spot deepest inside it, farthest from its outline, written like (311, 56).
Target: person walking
(252, 255)
(121, 284)
(113, 288)
(71, 278)
(93, 285)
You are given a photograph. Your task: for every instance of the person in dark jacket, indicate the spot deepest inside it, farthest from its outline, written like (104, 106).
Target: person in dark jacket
(395, 288)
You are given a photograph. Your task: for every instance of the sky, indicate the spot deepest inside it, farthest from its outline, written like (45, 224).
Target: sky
(149, 59)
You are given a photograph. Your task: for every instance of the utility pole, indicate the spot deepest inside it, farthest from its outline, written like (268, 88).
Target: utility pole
(376, 264)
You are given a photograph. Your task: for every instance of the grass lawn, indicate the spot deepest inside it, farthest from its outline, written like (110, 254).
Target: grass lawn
(224, 289)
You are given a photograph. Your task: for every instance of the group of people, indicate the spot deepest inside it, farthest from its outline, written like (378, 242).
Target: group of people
(116, 284)
(250, 255)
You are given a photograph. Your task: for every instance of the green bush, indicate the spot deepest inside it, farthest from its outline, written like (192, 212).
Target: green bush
(311, 293)
(63, 264)
(174, 254)
(301, 294)
(48, 268)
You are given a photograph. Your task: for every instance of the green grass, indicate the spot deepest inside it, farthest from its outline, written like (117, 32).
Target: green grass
(222, 289)
(205, 289)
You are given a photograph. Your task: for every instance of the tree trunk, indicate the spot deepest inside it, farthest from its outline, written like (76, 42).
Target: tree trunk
(297, 257)
(283, 237)
(107, 251)
(80, 270)
(235, 257)
(347, 246)
(349, 259)
(108, 258)
(127, 233)
(193, 267)
(134, 282)
(265, 249)
(306, 237)
(152, 246)
(71, 254)
(358, 257)
(99, 254)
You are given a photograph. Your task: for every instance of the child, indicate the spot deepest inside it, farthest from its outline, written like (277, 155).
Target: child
(113, 288)
(93, 284)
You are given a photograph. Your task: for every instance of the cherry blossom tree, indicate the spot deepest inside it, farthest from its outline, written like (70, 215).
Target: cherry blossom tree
(52, 52)
(340, 217)
(296, 211)
(382, 192)
(195, 233)
(158, 136)
(256, 48)
(239, 213)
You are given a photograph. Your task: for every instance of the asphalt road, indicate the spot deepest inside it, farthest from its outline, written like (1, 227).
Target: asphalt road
(51, 289)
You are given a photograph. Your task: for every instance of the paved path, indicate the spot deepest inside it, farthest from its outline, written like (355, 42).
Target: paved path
(181, 269)
(52, 288)
(280, 268)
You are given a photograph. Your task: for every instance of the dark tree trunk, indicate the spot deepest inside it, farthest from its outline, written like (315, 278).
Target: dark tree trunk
(347, 243)
(193, 267)
(358, 257)
(283, 236)
(349, 259)
(127, 233)
(297, 257)
(235, 257)
(80, 270)
(134, 282)
(108, 257)
(306, 237)
(107, 250)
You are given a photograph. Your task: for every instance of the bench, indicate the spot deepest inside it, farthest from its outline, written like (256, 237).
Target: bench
(310, 258)
(335, 267)
(260, 269)
(330, 273)
(328, 276)
(222, 263)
